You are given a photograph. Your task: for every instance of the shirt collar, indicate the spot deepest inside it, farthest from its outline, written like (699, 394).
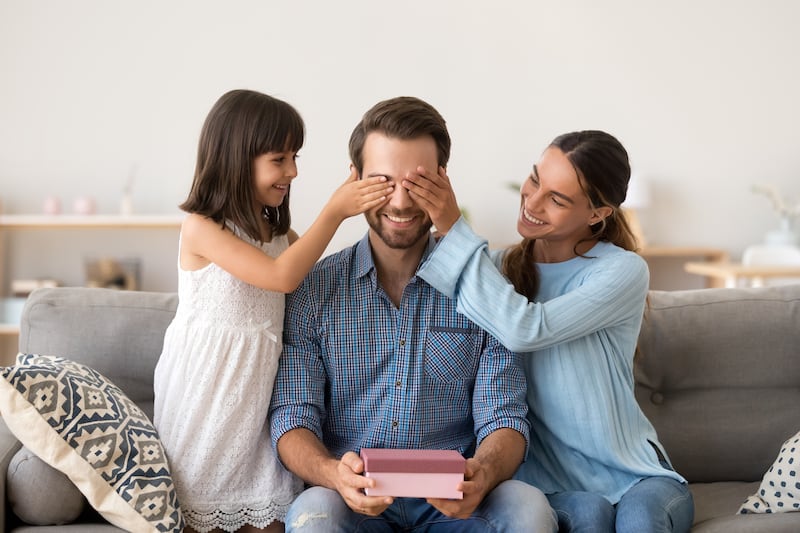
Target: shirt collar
(364, 263)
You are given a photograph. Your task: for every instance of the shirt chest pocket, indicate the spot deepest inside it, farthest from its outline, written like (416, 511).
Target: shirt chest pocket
(452, 354)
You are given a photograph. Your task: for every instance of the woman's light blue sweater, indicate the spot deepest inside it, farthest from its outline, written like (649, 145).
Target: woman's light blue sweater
(587, 430)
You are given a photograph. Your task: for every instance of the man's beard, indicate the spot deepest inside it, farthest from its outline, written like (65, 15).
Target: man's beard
(400, 240)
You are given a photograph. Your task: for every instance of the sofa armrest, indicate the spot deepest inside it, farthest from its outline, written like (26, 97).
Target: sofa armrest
(9, 445)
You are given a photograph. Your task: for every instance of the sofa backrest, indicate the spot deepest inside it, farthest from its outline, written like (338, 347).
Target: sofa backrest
(118, 333)
(718, 372)
(718, 375)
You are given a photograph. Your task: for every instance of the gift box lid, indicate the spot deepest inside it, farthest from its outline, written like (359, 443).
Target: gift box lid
(402, 461)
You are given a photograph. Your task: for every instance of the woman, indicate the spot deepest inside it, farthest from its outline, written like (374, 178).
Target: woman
(571, 295)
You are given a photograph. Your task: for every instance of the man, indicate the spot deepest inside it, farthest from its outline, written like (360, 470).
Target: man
(376, 358)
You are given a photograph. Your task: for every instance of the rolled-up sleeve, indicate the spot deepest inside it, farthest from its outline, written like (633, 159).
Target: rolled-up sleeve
(299, 390)
(500, 394)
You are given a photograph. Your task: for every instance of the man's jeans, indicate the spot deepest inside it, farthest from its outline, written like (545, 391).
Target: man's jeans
(654, 505)
(512, 506)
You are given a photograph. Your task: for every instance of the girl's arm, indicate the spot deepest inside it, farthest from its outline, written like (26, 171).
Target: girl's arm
(461, 268)
(203, 241)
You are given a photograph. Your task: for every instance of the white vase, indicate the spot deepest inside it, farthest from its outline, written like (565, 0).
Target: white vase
(126, 206)
(782, 236)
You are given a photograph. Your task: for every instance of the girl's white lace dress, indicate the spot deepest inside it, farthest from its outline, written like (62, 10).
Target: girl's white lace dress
(213, 385)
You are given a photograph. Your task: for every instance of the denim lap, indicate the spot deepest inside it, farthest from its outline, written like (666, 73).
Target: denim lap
(512, 506)
(654, 505)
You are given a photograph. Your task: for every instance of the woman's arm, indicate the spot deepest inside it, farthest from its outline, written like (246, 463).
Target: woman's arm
(460, 267)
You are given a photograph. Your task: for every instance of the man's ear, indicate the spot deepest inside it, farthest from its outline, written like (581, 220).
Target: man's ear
(353, 169)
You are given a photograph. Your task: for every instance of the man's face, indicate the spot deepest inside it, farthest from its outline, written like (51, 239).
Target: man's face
(400, 223)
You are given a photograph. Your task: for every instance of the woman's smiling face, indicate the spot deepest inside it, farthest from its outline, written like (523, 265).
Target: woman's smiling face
(554, 206)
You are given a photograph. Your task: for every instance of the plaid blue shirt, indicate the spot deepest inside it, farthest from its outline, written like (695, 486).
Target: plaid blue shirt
(361, 373)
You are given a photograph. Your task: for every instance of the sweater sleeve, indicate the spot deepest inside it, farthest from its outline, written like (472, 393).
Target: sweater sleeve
(613, 290)
(450, 257)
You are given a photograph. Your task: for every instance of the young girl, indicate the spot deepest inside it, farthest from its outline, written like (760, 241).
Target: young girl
(571, 294)
(214, 379)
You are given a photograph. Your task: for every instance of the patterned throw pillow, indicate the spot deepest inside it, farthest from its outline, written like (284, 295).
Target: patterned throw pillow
(780, 488)
(80, 423)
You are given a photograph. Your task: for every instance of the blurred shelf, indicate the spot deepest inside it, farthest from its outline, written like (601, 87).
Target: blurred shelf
(91, 221)
(711, 254)
(12, 223)
(666, 265)
(730, 273)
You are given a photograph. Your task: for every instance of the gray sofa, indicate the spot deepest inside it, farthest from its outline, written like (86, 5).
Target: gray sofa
(718, 375)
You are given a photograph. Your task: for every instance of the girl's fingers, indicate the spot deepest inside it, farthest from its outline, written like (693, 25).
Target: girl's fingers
(369, 204)
(373, 183)
(374, 187)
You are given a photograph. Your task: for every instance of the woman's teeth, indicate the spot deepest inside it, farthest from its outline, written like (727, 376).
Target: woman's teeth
(531, 218)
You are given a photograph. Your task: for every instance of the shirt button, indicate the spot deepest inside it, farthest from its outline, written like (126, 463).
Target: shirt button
(398, 383)
(402, 342)
(394, 423)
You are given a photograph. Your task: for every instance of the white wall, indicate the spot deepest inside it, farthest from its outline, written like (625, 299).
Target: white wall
(703, 93)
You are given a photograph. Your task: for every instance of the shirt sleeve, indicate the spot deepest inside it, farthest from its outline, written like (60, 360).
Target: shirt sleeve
(499, 400)
(300, 380)
(461, 267)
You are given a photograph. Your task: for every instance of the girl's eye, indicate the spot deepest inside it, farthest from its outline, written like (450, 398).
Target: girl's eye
(282, 158)
(557, 202)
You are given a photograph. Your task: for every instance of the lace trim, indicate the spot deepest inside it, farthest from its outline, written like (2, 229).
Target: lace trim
(205, 521)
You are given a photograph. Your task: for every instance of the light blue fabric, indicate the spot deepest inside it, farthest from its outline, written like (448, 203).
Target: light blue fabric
(587, 430)
(511, 507)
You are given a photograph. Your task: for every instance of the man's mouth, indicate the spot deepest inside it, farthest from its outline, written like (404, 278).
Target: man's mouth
(399, 220)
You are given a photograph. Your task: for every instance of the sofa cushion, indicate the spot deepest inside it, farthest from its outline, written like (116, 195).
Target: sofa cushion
(79, 422)
(118, 333)
(39, 494)
(717, 375)
(779, 491)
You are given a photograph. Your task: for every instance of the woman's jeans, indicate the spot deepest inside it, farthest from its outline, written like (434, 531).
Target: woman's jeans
(654, 505)
(512, 506)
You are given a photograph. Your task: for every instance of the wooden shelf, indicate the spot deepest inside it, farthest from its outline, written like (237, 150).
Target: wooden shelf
(9, 329)
(666, 265)
(711, 254)
(731, 273)
(13, 222)
(91, 221)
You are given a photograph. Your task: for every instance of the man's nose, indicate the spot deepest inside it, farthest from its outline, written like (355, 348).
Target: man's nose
(400, 199)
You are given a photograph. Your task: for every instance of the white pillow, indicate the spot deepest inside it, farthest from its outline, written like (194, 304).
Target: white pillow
(779, 491)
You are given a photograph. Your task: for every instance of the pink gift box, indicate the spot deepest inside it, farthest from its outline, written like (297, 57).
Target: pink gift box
(414, 473)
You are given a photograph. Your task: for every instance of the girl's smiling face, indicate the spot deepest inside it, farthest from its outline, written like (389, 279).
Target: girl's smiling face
(273, 172)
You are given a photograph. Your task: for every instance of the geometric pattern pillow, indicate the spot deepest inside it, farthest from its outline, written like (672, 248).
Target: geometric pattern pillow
(83, 425)
(780, 488)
